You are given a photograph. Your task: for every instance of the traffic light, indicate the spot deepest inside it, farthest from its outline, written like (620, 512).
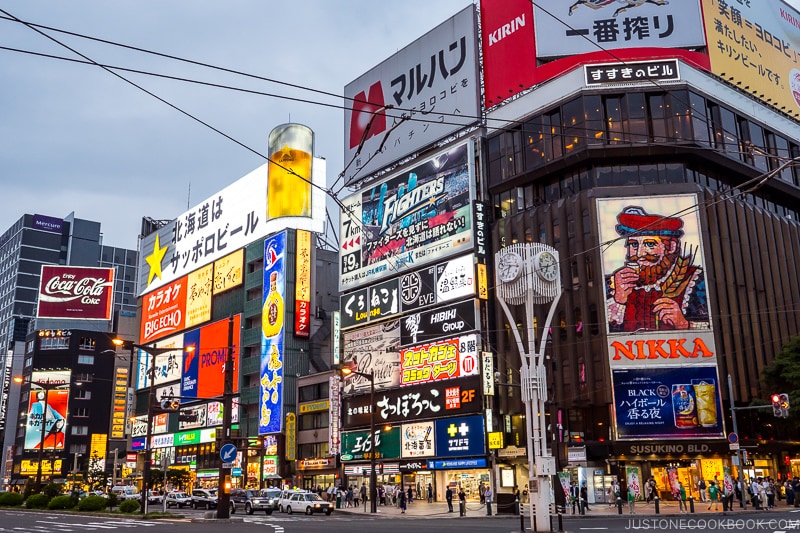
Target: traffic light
(776, 405)
(170, 404)
(784, 400)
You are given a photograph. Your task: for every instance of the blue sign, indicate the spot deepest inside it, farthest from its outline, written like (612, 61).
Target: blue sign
(273, 315)
(191, 365)
(460, 436)
(227, 453)
(137, 443)
(456, 463)
(675, 403)
(236, 472)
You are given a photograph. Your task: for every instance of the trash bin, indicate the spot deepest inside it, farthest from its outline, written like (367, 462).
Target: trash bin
(338, 501)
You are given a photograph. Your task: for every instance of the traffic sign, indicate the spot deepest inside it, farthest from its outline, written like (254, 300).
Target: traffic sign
(227, 453)
(734, 446)
(733, 438)
(227, 465)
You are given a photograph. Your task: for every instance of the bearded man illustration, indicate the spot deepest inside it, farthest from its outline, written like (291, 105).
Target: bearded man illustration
(659, 287)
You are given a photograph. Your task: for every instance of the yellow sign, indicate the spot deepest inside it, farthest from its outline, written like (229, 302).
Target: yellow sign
(228, 271)
(483, 282)
(291, 436)
(754, 47)
(118, 415)
(30, 468)
(310, 407)
(496, 440)
(198, 296)
(97, 451)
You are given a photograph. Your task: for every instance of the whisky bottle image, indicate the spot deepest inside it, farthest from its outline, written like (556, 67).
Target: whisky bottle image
(272, 314)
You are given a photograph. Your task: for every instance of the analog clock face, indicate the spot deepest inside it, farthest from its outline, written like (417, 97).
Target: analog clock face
(509, 268)
(547, 266)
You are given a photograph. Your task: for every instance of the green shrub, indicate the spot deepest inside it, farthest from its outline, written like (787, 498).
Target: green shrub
(11, 499)
(61, 502)
(52, 490)
(112, 500)
(37, 501)
(92, 503)
(129, 506)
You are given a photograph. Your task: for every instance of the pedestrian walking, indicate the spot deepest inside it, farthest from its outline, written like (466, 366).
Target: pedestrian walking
(574, 495)
(448, 495)
(401, 501)
(462, 501)
(430, 493)
(682, 498)
(410, 495)
(713, 496)
(701, 488)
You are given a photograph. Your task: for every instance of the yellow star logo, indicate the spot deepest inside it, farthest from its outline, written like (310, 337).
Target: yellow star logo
(154, 260)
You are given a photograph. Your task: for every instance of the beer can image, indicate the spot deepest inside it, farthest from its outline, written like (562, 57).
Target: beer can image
(683, 406)
(705, 394)
(291, 150)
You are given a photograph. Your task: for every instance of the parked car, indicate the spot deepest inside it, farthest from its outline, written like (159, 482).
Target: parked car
(153, 496)
(126, 492)
(204, 498)
(285, 497)
(309, 503)
(266, 500)
(178, 499)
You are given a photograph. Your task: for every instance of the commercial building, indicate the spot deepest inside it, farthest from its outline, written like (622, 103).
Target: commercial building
(664, 173)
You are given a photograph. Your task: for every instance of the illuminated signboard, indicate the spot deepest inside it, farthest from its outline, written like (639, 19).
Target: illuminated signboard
(418, 440)
(291, 436)
(192, 417)
(460, 436)
(436, 75)
(120, 410)
(98, 450)
(356, 445)
(198, 296)
(302, 297)
(164, 311)
(227, 221)
(445, 359)
(373, 349)
(47, 410)
(77, 293)
(168, 365)
(415, 217)
(439, 323)
(228, 272)
(31, 468)
(273, 315)
(203, 373)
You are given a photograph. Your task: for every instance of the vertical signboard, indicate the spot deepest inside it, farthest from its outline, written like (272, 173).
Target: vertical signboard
(436, 75)
(291, 436)
(228, 272)
(660, 338)
(487, 363)
(119, 413)
(273, 314)
(198, 295)
(302, 297)
(755, 46)
(336, 336)
(76, 293)
(98, 451)
(413, 218)
(47, 409)
(335, 415)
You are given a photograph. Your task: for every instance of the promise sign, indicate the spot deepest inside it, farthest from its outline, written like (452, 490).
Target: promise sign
(77, 293)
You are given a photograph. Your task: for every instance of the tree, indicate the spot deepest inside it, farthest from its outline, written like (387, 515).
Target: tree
(783, 375)
(156, 477)
(98, 479)
(179, 478)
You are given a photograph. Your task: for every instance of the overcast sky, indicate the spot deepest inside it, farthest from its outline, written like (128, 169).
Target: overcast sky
(74, 137)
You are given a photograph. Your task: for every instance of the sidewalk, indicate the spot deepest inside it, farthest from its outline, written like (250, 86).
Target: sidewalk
(421, 508)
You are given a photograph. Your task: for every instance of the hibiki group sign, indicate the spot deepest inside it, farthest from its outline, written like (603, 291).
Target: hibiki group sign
(273, 314)
(83, 293)
(414, 218)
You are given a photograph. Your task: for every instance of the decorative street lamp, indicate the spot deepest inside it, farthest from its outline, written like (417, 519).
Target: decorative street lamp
(373, 478)
(529, 274)
(45, 388)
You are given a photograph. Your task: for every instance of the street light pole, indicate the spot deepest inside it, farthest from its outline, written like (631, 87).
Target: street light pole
(224, 495)
(373, 476)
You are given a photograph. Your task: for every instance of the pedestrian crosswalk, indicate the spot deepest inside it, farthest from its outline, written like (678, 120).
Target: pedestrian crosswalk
(54, 525)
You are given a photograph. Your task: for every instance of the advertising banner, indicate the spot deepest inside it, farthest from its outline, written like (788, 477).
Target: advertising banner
(76, 293)
(119, 415)
(569, 28)
(356, 445)
(45, 223)
(757, 48)
(373, 349)
(444, 282)
(460, 436)
(334, 415)
(440, 360)
(204, 368)
(214, 411)
(270, 466)
(192, 417)
(98, 451)
(302, 297)
(167, 366)
(439, 323)
(413, 218)
(679, 403)
(164, 311)
(507, 30)
(227, 221)
(47, 409)
(436, 76)
(418, 440)
(426, 401)
(273, 315)
(198, 295)
(228, 272)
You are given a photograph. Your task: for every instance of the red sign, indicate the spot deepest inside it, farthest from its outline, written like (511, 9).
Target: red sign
(163, 311)
(204, 368)
(509, 49)
(76, 292)
(302, 302)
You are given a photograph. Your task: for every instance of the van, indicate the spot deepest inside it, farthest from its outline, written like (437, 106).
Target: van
(126, 492)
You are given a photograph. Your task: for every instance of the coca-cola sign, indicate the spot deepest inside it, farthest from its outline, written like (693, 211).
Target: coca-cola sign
(76, 292)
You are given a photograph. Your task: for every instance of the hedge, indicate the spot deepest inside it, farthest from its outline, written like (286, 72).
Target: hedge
(92, 503)
(129, 506)
(11, 499)
(61, 502)
(37, 501)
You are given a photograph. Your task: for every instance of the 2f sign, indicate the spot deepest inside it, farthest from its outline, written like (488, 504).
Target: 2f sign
(488, 373)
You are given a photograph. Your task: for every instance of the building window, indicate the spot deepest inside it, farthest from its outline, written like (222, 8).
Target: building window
(83, 395)
(81, 412)
(79, 430)
(85, 359)
(83, 377)
(88, 343)
(77, 448)
(54, 343)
